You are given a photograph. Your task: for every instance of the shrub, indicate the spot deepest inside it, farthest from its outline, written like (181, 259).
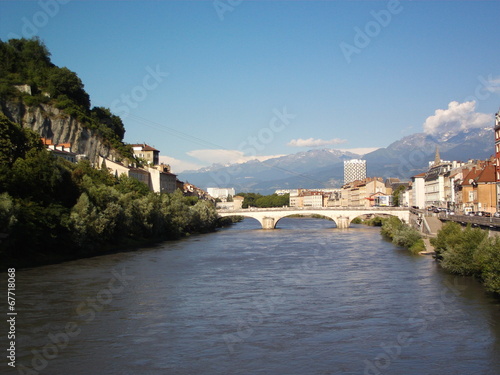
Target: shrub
(487, 257)
(459, 255)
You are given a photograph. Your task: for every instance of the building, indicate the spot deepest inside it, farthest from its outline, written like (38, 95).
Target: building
(354, 169)
(194, 191)
(309, 198)
(497, 159)
(359, 193)
(62, 150)
(221, 193)
(150, 154)
(479, 189)
(162, 179)
(417, 192)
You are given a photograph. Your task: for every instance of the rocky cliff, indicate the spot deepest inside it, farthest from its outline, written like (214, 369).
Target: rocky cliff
(54, 124)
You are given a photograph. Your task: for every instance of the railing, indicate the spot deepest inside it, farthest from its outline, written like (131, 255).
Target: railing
(256, 209)
(493, 222)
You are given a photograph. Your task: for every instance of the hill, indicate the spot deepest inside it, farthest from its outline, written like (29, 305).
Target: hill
(52, 101)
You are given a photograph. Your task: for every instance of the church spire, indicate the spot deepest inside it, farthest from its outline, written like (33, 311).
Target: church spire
(437, 158)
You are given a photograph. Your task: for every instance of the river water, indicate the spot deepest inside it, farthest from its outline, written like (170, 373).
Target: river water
(304, 299)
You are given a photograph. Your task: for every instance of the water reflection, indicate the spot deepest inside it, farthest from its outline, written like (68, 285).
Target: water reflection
(304, 299)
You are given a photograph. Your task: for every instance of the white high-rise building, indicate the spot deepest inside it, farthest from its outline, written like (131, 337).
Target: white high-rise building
(354, 169)
(221, 193)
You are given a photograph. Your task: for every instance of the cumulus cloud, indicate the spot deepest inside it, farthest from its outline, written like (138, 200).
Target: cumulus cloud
(311, 142)
(226, 156)
(458, 116)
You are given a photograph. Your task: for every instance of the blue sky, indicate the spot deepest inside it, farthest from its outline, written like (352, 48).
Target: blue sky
(227, 80)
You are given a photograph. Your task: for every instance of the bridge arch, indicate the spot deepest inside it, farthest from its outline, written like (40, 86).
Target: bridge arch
(341, 216)
(323, 216)
(254, 219)
(401, 217)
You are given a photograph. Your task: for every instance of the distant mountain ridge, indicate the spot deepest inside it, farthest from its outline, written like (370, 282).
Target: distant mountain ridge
(322, 168)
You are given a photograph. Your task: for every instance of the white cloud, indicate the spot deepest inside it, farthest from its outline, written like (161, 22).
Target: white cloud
(311, 142)
(458, 116)
(221, 156)
(360, 151)
(179, 166)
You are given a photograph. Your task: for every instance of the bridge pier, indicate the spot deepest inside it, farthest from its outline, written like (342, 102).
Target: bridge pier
(342, 222)
(268, 217)
(268, 223)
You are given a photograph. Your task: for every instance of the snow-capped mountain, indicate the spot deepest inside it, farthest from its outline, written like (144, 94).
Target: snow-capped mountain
(320, 168)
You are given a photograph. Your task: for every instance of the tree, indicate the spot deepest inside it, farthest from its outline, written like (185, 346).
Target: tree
(397, 199)
(104, 116)
(64, 83)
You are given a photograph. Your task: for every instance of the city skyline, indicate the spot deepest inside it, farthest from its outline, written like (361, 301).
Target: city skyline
(209, 84)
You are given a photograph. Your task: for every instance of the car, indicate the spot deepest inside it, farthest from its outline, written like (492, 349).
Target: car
(496, 214)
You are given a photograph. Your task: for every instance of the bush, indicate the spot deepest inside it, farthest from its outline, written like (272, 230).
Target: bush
(402, 235)
(417, 247)
(448, 236)
(459, 255)
(487, 257)
(406, 237)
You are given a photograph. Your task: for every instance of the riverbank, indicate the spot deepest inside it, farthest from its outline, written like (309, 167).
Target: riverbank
(122, 245)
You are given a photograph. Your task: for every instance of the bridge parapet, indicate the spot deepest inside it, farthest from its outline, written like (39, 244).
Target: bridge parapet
(269, 217)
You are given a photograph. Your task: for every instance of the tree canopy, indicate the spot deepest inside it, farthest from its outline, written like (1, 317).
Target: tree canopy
(27, 62)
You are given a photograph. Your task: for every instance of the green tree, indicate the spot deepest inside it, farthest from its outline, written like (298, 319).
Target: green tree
(460, 258)
(487, 257)
(397, 197)
(447, 238)
(64, 83)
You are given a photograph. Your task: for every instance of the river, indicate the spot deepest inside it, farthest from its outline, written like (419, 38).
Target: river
(306, 298)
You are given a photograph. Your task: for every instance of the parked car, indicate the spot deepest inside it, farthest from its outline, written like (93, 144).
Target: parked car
(496, 214)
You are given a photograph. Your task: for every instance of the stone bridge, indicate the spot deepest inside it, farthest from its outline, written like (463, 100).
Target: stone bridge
(269, 217)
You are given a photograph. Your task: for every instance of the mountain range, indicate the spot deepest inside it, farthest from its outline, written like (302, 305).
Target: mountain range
(324, 168)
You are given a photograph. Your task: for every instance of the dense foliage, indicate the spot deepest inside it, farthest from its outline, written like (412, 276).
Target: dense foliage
(470, 252)
(51, 209)
(27, 62)
(402, 234)
(259, 200)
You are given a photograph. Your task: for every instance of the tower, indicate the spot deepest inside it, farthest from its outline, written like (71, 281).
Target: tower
(437, 157)
(354, 169)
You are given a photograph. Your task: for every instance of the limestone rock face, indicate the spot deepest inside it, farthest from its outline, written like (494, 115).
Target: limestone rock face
(52, 123)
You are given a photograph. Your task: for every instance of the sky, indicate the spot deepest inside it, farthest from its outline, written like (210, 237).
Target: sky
(224, 81)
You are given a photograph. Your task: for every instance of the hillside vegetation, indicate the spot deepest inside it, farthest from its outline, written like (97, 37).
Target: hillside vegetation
(27, 62)
(53, 210)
